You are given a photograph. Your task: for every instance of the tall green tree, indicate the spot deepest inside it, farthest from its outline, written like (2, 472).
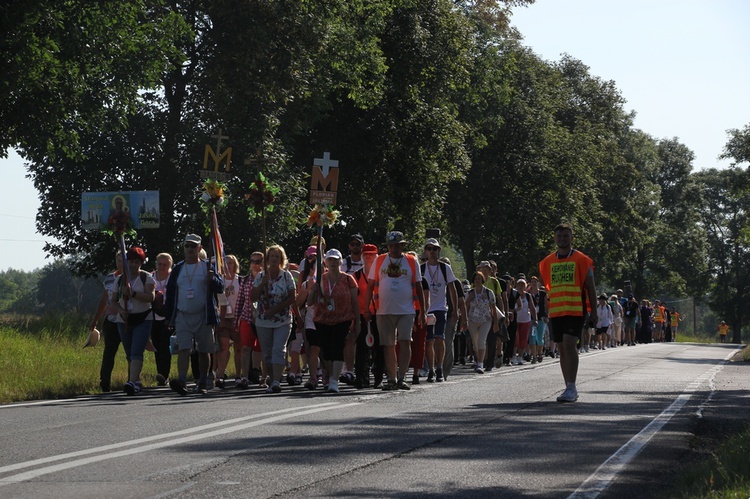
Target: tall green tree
(726, 222)
(76, 65)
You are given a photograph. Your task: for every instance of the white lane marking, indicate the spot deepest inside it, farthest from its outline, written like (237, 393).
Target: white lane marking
(173, 492)
(601, 479)
(152, 438)
(56, 401)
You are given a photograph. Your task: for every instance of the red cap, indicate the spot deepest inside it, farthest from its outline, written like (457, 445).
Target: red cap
(370, 248)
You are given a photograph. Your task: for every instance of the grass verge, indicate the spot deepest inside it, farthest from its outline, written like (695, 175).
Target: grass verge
(44, 358)
(722, 470)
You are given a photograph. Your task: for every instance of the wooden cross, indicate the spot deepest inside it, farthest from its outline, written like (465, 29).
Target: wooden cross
(326, 163)
(258, 161)
(218, 136)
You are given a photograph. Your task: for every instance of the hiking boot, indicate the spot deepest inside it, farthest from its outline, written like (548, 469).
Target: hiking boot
(401, 385)
(431, 376)
(347, 378)
(390, 385)
(178, 387)
(439, 375)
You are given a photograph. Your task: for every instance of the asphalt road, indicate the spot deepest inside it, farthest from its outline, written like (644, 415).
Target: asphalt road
(501, 434)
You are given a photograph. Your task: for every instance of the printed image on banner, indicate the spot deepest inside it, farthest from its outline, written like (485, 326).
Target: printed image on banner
(142, 207)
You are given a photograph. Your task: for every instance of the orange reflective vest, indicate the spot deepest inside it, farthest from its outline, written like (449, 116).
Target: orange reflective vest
(723, 329)
(659, 314)
(564, 279)
(675, 319)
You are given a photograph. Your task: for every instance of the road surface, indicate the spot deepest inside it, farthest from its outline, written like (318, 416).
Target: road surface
(501, 434)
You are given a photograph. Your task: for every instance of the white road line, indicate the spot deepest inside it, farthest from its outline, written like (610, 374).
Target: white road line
(601, 479)
(171, 435)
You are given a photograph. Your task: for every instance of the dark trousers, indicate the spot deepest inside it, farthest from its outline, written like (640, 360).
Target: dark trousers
(160, 338)
(111, 345)
(489, 358)
(511, 343)
(369, 356)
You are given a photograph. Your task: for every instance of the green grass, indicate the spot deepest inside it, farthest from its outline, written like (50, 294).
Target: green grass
(684, 338)
(44, 358)
(723, 473)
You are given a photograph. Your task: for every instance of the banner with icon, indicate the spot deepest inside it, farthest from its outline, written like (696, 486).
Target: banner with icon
(139, 208)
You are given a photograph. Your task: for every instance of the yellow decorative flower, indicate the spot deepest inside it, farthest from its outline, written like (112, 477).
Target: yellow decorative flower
(322, 215)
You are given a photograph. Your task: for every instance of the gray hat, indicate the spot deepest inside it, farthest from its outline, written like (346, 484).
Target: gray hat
(432, 242)
(484, 263)
(192, 238)
(395, 237)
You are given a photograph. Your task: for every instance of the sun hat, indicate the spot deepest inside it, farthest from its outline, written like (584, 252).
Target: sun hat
(432, 242)
(333, 253)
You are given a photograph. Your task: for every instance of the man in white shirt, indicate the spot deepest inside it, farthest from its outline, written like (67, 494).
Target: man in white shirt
(395, 283)
(353, 262)
(439, 277)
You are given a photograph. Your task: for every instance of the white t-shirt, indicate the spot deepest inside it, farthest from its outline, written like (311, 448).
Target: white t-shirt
(438, 287)
(229, 297)
(395, 290)
(136, 284)
(349, 266)
(604, 316)
(110, 286)
(523, 313)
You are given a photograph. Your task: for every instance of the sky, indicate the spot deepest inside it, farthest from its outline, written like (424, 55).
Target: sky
(681, 65)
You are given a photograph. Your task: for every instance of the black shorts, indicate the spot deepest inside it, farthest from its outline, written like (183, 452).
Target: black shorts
(602, 330)
(313, 337)
(567, 324)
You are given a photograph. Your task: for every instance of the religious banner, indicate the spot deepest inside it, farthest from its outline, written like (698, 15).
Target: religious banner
(139, 209)
(217, 159)
(324, 181)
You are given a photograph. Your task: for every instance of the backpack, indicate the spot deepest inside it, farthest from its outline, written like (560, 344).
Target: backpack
(423, 269)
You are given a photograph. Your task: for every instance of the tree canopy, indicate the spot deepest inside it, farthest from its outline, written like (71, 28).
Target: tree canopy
(437, 113)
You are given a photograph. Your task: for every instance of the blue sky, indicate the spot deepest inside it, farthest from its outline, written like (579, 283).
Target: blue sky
(682, 66)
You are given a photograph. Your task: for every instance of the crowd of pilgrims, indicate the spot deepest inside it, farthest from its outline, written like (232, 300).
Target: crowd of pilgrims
(321, 331)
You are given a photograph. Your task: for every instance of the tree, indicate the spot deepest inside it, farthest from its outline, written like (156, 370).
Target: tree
(725, 220)
(76, 65)
(738, 146)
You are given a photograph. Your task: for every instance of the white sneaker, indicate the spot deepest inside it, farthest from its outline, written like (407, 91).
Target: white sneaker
(569, 395)
(333, 386)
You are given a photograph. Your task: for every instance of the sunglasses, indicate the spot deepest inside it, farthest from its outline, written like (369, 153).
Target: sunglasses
(355, 243)
(191, 245)
(431, 248)
(256, 262)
